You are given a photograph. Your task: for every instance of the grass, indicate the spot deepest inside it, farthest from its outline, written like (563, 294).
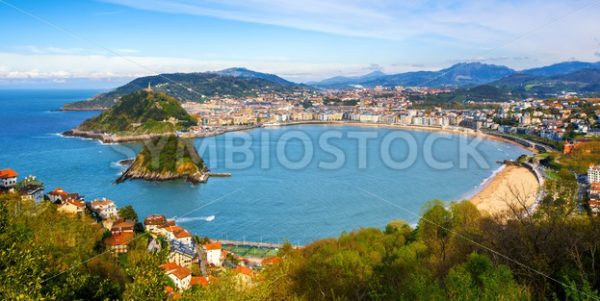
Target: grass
(247, 251)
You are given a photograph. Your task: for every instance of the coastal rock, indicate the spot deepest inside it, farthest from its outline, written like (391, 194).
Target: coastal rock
(166, 159)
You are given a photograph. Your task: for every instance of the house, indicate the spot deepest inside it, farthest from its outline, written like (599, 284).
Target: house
(8, 178)
(58, 195)
(71, 206)
(181, 254)
(594, 174)
(31, 189)
(153, 223)
(122, 226)
(244, 275)
(118, 243)
(106, 209)
(213, 253)
(178, 234)
(179, 275)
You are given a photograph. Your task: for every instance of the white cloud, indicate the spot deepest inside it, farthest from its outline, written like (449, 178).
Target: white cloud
(65, 66)
(48, 50)
(127, 50)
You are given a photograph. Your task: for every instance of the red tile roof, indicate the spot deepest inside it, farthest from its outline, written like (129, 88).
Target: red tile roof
(77, 203)
(101, 203)
(243, 270)
(57, 191)
(213, 246)
(178, 232)
(119, 239)
(8, 173)
(175, 269)
(155, 220)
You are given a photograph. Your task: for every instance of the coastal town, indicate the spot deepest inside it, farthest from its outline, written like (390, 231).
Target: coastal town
(565, 124)
(191, 261)
(553, 120)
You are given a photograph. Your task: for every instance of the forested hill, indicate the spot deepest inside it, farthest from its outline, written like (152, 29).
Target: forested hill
(141, 112)
(238, 82)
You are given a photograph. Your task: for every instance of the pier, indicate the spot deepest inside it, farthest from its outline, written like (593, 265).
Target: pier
(219, 174)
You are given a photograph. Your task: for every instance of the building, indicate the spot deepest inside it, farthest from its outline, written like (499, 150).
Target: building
(8, 178)
(105, 209)
(118, 243)
(179, 275)
(31, 189)
(73, 207)
(153, 223)
(244, 276)
(58, 195)
(213, 253)
(181, 254)
(178, 234)
(594, 174)
(122, 227)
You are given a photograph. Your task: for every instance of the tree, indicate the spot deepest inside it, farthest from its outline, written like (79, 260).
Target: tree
(479, 279)
(128, 213)
(148, 280)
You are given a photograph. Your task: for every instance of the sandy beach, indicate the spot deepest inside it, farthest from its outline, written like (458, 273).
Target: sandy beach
(511, 186)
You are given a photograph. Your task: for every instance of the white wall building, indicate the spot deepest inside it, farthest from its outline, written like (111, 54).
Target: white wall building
(594, 174)
(106, 209)
(8, 178)
(213, 253)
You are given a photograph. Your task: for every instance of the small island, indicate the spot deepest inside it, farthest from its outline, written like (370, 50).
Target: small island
(167, 158)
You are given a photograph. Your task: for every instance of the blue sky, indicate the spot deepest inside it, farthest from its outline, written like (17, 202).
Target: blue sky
(92, 43)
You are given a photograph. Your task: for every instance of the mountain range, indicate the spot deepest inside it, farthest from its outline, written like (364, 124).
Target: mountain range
(457, 76)
(471, 81)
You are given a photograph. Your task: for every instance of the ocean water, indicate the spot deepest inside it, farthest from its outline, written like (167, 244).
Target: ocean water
(265, 199)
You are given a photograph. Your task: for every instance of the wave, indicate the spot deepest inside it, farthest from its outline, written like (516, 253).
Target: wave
(184, 220)
(469, 195)
(71, 137)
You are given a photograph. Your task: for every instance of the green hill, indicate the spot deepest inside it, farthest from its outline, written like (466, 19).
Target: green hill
(195, 87)
(140, 113)
(167, 158)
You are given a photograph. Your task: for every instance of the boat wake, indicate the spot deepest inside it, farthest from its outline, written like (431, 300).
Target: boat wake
(184, 220)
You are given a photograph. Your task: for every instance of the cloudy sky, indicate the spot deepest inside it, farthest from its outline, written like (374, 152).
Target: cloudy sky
(93, 43)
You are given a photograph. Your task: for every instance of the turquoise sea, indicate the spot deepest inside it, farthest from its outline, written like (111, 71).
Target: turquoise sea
(264, 200)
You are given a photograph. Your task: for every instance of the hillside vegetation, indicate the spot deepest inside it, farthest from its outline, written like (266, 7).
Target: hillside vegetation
(167, 158)
(141, 112)
(194, 87)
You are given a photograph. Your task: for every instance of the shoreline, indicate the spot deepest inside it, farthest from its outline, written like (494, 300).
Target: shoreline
(109, 138)
(509, 182)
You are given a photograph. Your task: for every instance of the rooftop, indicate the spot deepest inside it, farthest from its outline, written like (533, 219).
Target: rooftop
(8, 173)
(119, 239)
(176, 270)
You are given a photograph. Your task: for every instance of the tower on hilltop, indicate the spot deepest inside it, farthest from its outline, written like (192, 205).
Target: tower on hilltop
(149, 89)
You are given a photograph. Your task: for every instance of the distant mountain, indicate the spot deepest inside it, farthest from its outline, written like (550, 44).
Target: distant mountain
(520, 85)
(459, 75)
(236, 82)
(140, 113)
(243, 72)
(347, 81)
(561, 68)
